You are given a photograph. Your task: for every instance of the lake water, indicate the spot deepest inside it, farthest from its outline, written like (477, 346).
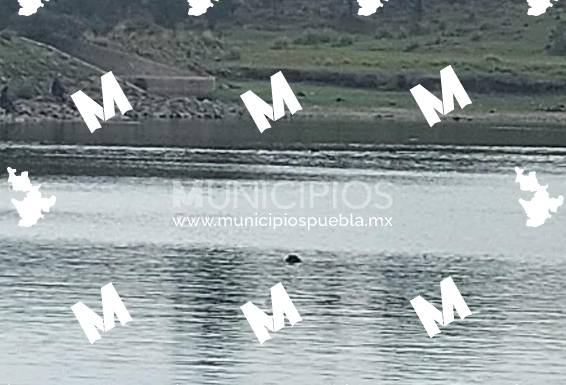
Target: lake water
(455, 213)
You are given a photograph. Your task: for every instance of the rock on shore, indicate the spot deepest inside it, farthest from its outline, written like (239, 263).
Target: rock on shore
(145, 107)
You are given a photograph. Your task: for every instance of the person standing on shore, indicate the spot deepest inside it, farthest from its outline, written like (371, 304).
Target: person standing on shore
(57, 89)
(5, 101)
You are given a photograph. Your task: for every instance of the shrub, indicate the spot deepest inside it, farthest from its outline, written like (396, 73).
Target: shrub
(328, 62)
(314, 37)
(232, 54)
(343, 41)
(7, 35)
(24, 89)
(476, 36)
(209, 39)
(385, 34)
(557, 40)
(402, 34)
(281, 43)
(411, 47)
(47, 27)
(493, 59)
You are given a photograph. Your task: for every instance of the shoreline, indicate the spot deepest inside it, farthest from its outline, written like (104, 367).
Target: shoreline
(297, 133)
(233, 110)
(45, 110)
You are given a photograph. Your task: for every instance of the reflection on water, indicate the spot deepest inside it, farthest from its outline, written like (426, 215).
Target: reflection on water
(455, 213)
(275, 164)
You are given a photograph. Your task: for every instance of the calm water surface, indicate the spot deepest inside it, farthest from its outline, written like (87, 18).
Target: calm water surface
(454, 210)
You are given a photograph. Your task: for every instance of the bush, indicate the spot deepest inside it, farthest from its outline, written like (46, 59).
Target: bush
(385, 34)
(314, 37)
(232, 54)
(7, 35)
(493, 59)
(343, 41)
(402, 34)
(324, 36)
(476, 36)
(411, 47)
(327, 62)
(46, 27)
(23, 89)
(209, 39)
(281, 43)
(7, 9)
(557, 40)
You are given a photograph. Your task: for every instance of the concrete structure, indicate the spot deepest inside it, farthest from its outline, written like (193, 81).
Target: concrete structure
(174, 85)
(154, 77)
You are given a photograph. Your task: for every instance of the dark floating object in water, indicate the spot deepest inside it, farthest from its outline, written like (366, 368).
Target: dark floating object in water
(292, 259)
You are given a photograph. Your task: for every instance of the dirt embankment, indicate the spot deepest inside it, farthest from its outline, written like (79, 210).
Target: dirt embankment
(31, 68)
(477, 82)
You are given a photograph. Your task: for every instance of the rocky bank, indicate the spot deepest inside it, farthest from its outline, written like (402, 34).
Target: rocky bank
(145, 107)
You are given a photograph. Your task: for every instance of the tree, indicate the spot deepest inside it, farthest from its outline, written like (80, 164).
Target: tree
(7, 10)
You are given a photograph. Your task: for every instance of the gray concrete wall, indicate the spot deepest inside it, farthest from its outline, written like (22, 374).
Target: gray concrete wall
(120, 63)
(152, 76)
(174, 85)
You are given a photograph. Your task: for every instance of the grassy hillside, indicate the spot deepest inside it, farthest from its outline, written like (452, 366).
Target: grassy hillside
(487, 38)
(497, 48)
(29, 69)
(341, 62)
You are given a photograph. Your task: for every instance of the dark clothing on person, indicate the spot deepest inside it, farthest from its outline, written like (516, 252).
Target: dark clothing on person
(58, 90)
(5, 101)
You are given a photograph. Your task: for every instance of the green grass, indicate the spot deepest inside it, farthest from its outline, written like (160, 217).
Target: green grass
(507, 41)
(29, 70)
(487, 39)
(363, 100)
(492, 39)
(322, 95)
(497, 40)
(371, 55)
